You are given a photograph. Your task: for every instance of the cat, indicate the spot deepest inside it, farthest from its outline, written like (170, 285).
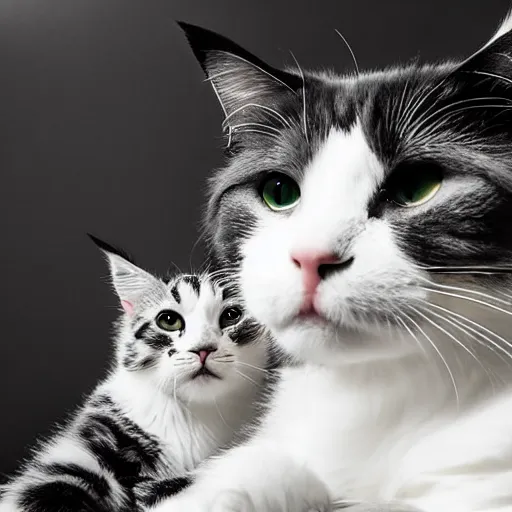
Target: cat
(368, 218)
(188, 372)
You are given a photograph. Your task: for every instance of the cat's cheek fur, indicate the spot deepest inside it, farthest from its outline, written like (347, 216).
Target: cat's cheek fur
(380, 279)
(375, 285)
(271, 284)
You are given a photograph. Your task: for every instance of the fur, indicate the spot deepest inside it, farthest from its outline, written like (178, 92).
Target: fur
(401, 391)
(154, 418)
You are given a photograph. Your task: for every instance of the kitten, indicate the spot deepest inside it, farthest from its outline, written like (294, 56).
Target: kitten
(187, 375)
(369, 216)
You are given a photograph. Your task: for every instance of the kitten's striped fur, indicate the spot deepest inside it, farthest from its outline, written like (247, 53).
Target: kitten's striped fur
(159, 412)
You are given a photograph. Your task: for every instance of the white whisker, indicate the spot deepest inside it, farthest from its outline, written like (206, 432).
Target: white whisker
(214, 87)
(243, 125)
(504, 55)
(476, 324)
(508, 295)
(256, 67)
(435, 128)
(466, 290)
(223, 359)
(447, 320)
(407, 121)
(470, 332)
(220, 414)
(434, 346)
(261, 132)
(252, 366)
(450, 335)
(349, 49)
(474, 272)
(244, 376)
(422, 120)
(465, 267)
(470, 299)
(493, 75)
(411, 102)
(402, 108)
(269, 110)
(304, 119)
(409, 330)
(221, 73)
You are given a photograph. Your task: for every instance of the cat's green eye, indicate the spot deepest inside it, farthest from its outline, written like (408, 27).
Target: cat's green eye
(170, 321)
(414, 185)
(280, 192)
(230, 316)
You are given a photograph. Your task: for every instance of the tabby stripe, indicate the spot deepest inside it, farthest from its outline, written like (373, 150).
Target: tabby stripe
(176, 294)
(141, 331)
(96, 482)
(157, 341)
(151, 492)
(59, 497)
(124, 451)
(194, 282)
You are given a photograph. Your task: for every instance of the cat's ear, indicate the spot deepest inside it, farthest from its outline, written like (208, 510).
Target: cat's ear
(129, 280)
(494, 59)
(239, 78)
(504, 28)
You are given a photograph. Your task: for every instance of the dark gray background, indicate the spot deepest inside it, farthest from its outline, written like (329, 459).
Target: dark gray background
(106, 126)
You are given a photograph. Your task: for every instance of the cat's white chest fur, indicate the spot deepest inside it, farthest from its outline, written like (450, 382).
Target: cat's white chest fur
(394, 440)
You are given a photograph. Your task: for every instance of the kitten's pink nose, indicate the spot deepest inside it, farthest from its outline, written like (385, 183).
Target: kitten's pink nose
(203, 353)
(311, 262)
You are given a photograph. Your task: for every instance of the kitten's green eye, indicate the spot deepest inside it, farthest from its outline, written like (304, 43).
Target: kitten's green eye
(280, 192)
(170, 321)
(415, 185)
(230, 316)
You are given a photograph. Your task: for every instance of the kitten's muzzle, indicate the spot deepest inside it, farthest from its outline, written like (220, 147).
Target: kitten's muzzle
(203, 352)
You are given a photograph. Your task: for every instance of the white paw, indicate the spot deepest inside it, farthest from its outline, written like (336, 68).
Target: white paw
(238, 501)
(294, 491)
(374, 507)
(232, 501)
(252, 478)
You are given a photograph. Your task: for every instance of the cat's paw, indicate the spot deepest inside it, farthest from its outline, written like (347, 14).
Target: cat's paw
(232, 501)
(250, 480)
(263, 500)
(303, 496)
(373, 507)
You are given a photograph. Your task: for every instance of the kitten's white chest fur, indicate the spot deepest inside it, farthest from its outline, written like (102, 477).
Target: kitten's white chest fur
(186, 435)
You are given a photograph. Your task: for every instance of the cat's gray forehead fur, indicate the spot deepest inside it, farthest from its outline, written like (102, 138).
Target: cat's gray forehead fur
(455, 115)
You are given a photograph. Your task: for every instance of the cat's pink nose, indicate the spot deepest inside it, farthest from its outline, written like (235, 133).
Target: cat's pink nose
(310, 263)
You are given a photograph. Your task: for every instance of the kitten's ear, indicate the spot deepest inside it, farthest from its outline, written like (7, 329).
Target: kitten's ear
(129, 280)
(238, 77)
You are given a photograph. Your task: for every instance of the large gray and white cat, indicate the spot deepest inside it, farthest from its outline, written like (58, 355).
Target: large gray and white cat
(187, 376)
(370, 219)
